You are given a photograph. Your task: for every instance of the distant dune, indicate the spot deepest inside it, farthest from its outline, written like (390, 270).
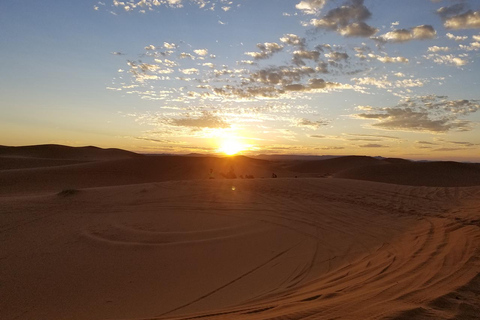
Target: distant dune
(50, 168)
(394, 170)
(54, 151)
(445, 174)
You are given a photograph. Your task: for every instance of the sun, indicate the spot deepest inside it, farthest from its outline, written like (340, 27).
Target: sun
(231, 147)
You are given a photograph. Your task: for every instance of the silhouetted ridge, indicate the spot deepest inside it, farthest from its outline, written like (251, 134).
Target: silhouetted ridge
(444, 174)
(54, 151)
(331, 166)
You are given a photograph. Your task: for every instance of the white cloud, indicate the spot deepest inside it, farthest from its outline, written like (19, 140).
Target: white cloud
(201, 52)
(467, 20)
(293, 40)
(189, 71)
(448, 59)
(437, 49)
(456, 38)
(310, 6)
(403, 35)
(474, 46)
(267, 49)
(387, 59)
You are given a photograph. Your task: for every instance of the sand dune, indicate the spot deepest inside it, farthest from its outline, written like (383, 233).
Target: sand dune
(129, 171)
(154, 238)
(447, 174)
(267, 248)
(396, 171)
(54, 151)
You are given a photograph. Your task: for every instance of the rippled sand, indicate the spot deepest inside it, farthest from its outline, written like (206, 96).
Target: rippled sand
(242, 249)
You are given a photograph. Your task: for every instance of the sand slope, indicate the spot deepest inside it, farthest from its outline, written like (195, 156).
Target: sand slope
(393, 170)
(242, 249)
(129, 171)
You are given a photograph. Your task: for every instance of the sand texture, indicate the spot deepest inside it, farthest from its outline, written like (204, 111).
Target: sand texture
(125, 243)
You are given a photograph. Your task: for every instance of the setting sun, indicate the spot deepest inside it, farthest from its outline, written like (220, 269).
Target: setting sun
(231, 147)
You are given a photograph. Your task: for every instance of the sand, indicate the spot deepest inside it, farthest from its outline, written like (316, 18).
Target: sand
(118, 247)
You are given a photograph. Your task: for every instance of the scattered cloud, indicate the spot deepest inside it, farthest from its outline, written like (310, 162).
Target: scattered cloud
(467, 20)
(456, 38)
(293, 40)
(438, 49)
(201, 52)
(449, 59)
(425, 114)
(454, 9)
(387, 59)
(310, 6)
(403, 35)
(310, 124)
(267, 49)
(373, 145)
(205, 120)
(348, 20)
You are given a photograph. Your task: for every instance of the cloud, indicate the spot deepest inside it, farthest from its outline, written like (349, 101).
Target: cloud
(151, 5)
(373, 145)
(448, 59)
(374, 136)
(425, 114)
(438, 49)
(474, 46)
(293, 40)
(456, 38)
(387, 59)
(381, 82)
(310, 124)
(403, 35)
(467, 20)
(310, 6)
(167, 45)
(281, 75)
(348, 20)
(205, 120)
(336, 56)
(267, 49)
(300, 55)
(189, 71)
(357, 29)
(455, 9)
(201, 52)
(185, 55)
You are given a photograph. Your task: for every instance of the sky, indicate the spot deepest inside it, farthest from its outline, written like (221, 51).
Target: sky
(320, 77)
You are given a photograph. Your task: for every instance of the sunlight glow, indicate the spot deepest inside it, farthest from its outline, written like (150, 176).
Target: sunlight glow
(231, 147)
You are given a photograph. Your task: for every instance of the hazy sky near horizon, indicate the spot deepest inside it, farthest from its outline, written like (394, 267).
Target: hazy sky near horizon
(374, 77)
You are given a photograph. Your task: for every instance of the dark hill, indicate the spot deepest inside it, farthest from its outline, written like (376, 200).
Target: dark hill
(332, 166)
(444, 174)
(55, 151)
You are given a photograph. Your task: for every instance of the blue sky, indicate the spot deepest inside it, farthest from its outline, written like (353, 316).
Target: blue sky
(391, 78)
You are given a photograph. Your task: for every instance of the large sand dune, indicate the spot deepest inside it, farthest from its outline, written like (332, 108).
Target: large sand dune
(124, 246)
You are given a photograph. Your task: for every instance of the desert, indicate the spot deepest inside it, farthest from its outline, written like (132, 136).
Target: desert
(91, 233)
